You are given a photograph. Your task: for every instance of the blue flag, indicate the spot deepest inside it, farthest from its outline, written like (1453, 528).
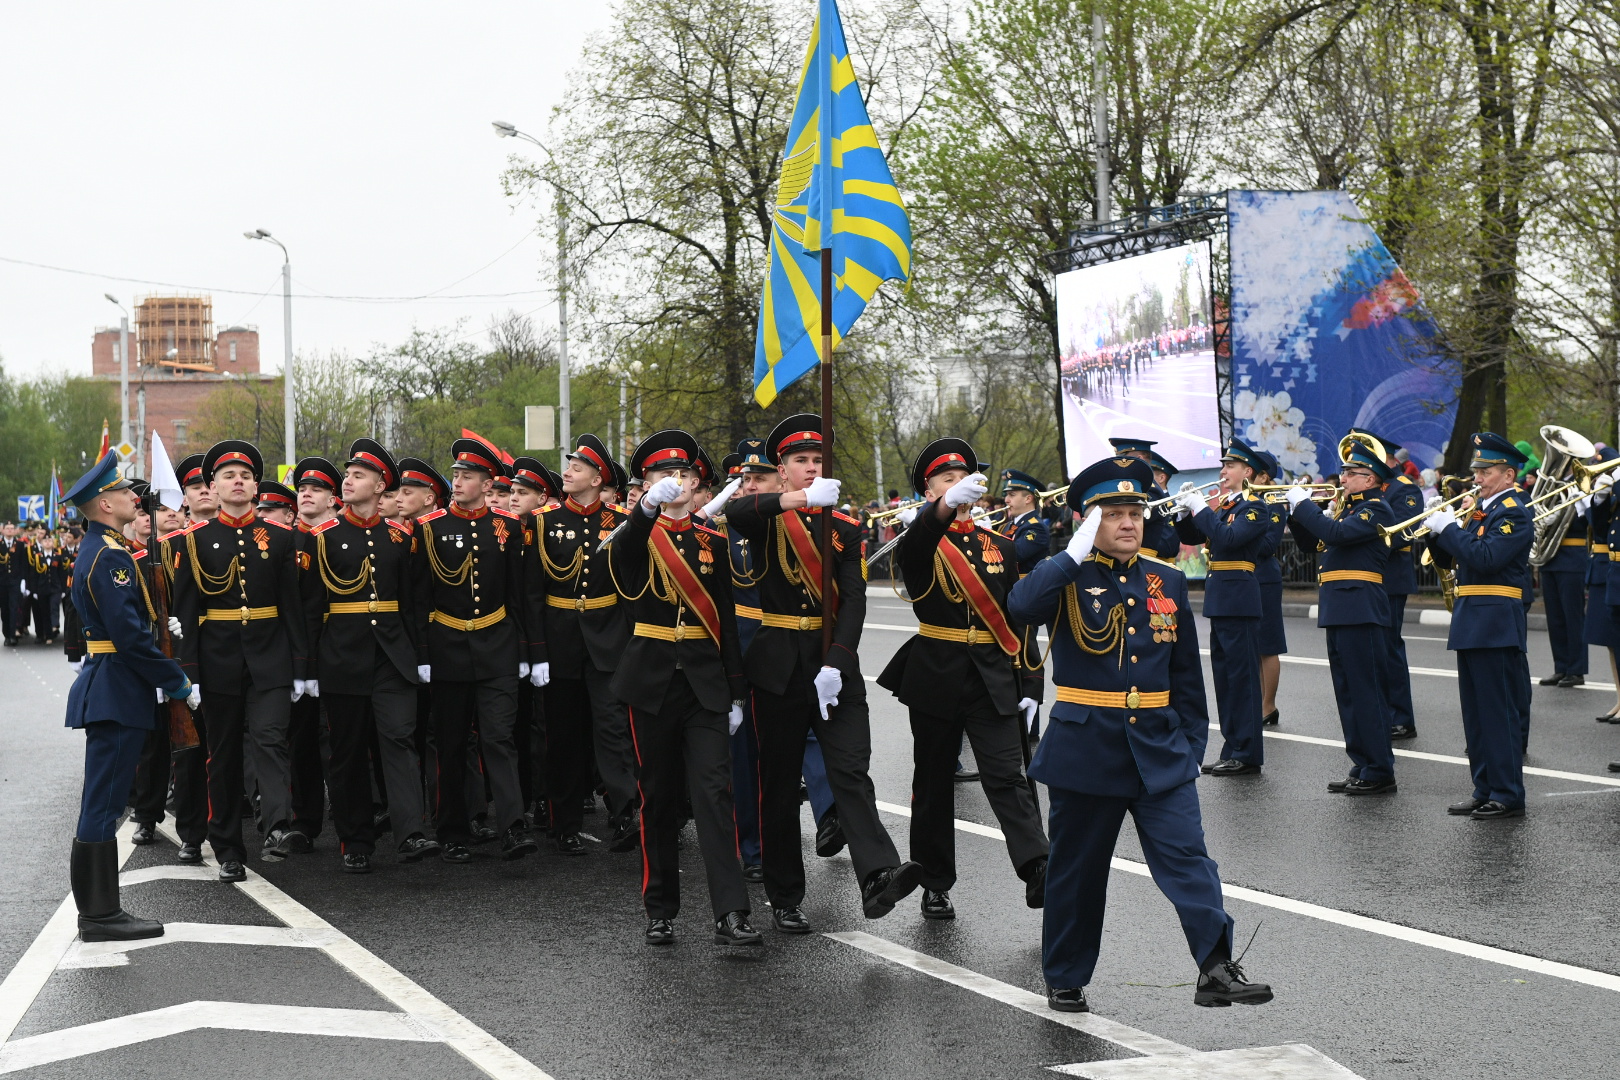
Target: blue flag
(835, 192)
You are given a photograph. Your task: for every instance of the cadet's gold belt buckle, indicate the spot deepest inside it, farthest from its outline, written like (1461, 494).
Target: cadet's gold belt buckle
(247, 613)
(470, 625)
(579, 603)
(1133, 699)
(680, 633)
(372, 606)
(804, 622)
(973, 635)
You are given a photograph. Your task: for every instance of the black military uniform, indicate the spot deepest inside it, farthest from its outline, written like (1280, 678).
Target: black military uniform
(469, 623)
(782, 664)
(72, 627)
(305, 737)
(681, 679)
(580, 632)
(236, 595)
(968, 669)
(10, 553)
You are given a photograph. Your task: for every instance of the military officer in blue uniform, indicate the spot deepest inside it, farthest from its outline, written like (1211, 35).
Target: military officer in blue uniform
(1159, 530)
(1268, 575)
(1031, 537)
(1235, 533)
(1405, 499)
(1490, 546)
(1354, 609)
(111, 698)
(1563, 591)
(1127, 734)
(1601, 628)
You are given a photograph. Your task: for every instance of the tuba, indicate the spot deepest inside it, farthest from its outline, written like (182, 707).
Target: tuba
(1565, 447)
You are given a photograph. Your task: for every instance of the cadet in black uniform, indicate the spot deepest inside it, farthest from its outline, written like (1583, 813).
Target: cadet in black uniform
(681, 679)
(531, 492)
(317, 483)
(10, 553)
(967, 670)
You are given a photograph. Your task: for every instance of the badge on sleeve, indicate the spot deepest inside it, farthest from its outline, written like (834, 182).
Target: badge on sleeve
(121, 577)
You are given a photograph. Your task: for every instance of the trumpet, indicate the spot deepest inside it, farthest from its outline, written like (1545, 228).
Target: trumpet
(1272, 492)
(1172, 498)
(1387, 531)
(896, 511)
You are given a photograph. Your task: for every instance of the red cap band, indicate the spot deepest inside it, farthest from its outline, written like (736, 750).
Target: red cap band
(233, 455)
(192, 477)
(376, 463)
(943, 460)
(421, 478)
(672, 453)
(274, 497)
(803, 436)
(478, 462)
(595, 459)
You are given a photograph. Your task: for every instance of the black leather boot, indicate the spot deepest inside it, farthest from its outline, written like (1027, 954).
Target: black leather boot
(94, 872)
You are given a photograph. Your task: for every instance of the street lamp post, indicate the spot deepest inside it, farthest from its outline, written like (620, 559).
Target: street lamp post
(289, 407)
(564, 411)
(123, 370)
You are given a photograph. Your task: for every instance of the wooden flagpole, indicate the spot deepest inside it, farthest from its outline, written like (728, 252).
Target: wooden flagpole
(829, 603)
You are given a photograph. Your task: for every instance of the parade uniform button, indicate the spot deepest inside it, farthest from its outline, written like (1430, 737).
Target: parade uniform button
(1130, 629)
(1133, 719)
(1131, 600)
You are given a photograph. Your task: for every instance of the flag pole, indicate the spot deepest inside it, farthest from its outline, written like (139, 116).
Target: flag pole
(828, 600)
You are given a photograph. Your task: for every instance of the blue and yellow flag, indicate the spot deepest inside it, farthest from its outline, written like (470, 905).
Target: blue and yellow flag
(835, 192)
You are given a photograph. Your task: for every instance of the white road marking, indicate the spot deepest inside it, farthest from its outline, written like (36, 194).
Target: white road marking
(1295, 1061)
(1449, 759)
(1120, 1034)
(1589, 791)
(1522, 961)
(168, 872)
(142, 1027)
(96, 953)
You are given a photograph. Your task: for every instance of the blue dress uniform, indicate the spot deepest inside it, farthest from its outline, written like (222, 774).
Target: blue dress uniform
(1031, 536)
(1563, 590)
(1235, 535)
(1405, 499)
(1127, 734)
(1601, 628)
(1354, 609)
(111, 699)
(1490, 547)
(1268, 574)
(1159, 537)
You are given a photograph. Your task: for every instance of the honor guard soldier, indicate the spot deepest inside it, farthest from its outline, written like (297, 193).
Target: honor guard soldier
(532, 490)
(579, 638)
(1354, 609)
(1563, 592)
(1160, 538)
(681, 679)
(1490, 546)
(797, 689)
(362, 618)
(1235, 532)
(1268, 575)
(317, 484)
(10, 550)
(111, 697)
(1602, 626)
(1127, 733)
(236, 593)
(277, 502)
(1405, 498)
(967, 670)
(1024, 526)
(196, 489)
(469, 604)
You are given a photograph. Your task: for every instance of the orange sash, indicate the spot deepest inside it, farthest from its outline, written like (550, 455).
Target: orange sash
(804, 546)
(978, 596)
(693, 594)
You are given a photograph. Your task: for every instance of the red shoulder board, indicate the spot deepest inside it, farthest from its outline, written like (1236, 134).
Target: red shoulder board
(323, 526)
(166, 537)
(841, 516)
(402, 526)
(504, 513)
(277, 524)
(439, 513)
(138, 555)
(195, 525)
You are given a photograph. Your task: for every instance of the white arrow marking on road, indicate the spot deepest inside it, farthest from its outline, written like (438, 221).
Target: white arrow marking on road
(1295, 1061)
(115, 953)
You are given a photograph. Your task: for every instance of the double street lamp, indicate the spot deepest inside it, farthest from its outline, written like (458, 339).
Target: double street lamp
(286, 318)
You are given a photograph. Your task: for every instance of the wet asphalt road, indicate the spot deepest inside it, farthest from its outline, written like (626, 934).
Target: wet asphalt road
(546, 956)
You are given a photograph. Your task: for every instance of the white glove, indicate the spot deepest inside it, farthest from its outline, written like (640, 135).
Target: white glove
(965, 491)
(76, 665)
(424, 672)
(23, 585)
(1296, 495)
(1433, 502)
(523, 670)
(908, 515)
(1085, 535)
(829, 680)
(312, 687)
(666, 490)
(718, 503)
(1604, 481)
(1186, 486)
(1029, 707)
(1191, 502)
(298, 689)
(821, 492)
(735, 718)
(161, 695)
(194, 699)
(1436, 522)
(174, 628)
(540, 674)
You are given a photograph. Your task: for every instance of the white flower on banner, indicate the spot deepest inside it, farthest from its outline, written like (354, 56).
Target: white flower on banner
(1274, 426)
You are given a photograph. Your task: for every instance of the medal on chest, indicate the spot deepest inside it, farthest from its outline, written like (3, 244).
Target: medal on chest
(1161, 610)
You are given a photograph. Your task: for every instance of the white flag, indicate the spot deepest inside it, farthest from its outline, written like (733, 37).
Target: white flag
(163, 481)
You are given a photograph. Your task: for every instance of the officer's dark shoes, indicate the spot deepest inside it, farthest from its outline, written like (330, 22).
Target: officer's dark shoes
(456, 853)
(277, 845)
(937, 905)
(481, 833)
(1272, 718)
(887, 887)
(1208, 768)
(190, 854)
(732, 929)
(1224, 985)
(1370, 787)
(1464, 808)
(571, 844)
(1034, 875)
(381, 822)
(1233, 767)
(299, 843)
(417, 847)
(356, 863)
(1572, 680)
(1614, 766)
(789, 920)
(1491, 810)
(627, 836)
(966, 776)
(829, 834)
(518, 843)
(145, 833)
(589, 805)
(1402, 731)
(1070, 999)
(1336, 787)
(1554, 679)
(231, 870)
(753, 873)
(94, 873)
(660, 932)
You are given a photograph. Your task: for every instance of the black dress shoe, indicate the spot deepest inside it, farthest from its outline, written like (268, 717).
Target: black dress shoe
(356, 863)
(1402, 731)
(277, 845)
(231, 870)
(145, 833)
(829, 834)
(1554, 679)
(456, 853)
(1271, 719)
(937, 905)
(1336, 787)
(1606, 718)
(1209, 767)
(1490, 810)
(1572, 680)
(965, 776)
(627, 835)
(381, 822)
(481, 833)
(298, 843)
(190, 854)
(754, 873)
(790, 920)
(517, 843)
(1035, 884)
(571, 844)
(1464, 808)
(1233, 767)
(887, 887)
(1072, 999)
(1225, 985)
(1614, 766)
(660, 932)
(1370, 787)
(416, 848)
(588, 806)
(732, 929)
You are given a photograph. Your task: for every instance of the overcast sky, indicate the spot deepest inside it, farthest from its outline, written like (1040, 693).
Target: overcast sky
(140, 141)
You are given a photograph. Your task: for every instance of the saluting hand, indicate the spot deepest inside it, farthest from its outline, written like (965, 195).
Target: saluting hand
(1085, 536)
(718, 503)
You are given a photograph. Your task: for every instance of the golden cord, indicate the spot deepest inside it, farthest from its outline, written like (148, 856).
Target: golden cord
(203, 579)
